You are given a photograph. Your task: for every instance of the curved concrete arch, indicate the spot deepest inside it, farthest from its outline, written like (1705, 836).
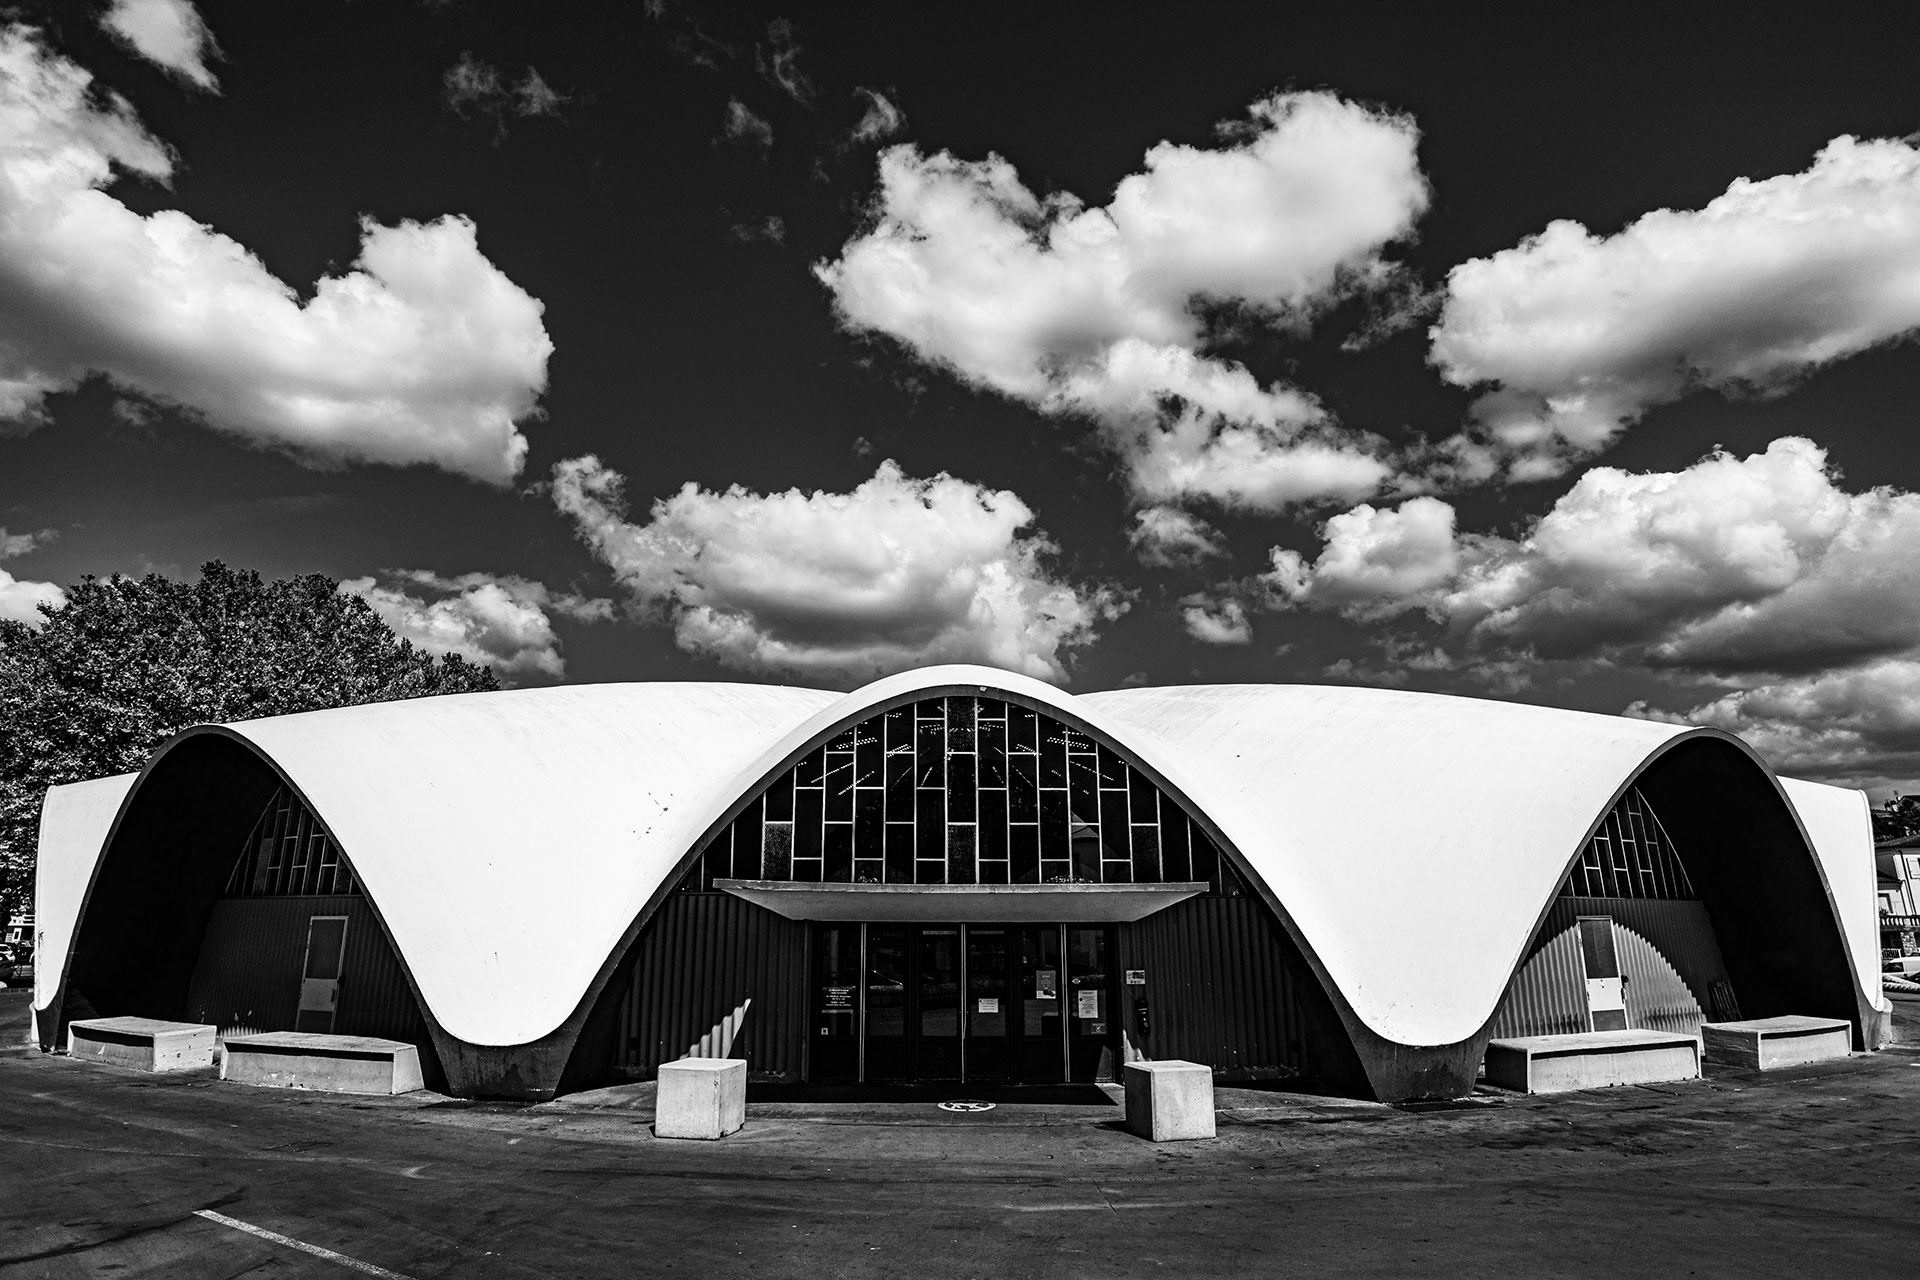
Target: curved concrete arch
(903, 689)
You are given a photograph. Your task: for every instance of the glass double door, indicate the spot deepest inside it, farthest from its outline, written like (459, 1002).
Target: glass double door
(987, 1003)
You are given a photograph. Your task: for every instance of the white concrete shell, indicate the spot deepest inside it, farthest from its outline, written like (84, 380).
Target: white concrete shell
(513, 843)
(74, 822)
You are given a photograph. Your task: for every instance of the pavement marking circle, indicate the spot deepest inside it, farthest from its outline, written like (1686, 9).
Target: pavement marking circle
(966, 1105)
(365, 1268)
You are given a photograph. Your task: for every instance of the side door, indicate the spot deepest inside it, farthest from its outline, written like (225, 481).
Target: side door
(320, 973)
(1606, 994)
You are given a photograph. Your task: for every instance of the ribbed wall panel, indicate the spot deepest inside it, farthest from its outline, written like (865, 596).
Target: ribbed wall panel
(1222, 988)
(248, 975)
(701, 957)
(1662, 942)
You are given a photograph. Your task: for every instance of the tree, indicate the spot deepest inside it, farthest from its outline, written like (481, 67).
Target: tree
(1899, 818)
(128, 662)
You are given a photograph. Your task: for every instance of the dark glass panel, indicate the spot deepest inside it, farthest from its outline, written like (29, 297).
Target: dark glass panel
(840, 786)
(991, 709)
(993, 756)
(960, 788)
(929, 770)
(779, 798)
(1175, 863)
(960, 855)
(1054, 818)
(1023, 795)
(867, 754)
(807, 870)
(994, 872)
(959, 724)
(1113, 771)
(887, 1002)
(1113, 824)
(1053, 756)
(899, 728)
(807, 772)
(776, 855)
(931, 819)
(1087, 854)
(1206, 859)
(993, 824)
(1023, 728)
(839, 853)
(843, 741)
(867, 820)
(927, 871)
(747, 840)
(899, 853)
(1086, 797)
(807, 817)
(869, 871)
(1023, 847)
(715, 864)
(900, 787)
(1146, 855)
(1146, 797)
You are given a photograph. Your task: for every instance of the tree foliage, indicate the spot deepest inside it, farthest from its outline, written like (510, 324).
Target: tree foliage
(128, 662)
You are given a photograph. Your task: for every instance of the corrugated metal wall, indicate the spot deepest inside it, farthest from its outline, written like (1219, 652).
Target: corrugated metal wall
(703, 956)
(248, 975)
(1668, 951)
(1223, 987)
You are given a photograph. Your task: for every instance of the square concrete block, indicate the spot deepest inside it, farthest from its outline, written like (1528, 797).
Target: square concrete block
(1591, 1060)
(1766, 1043)
(1170, 1101)
(330, 1064)
(145, 1044)
(701, 1098)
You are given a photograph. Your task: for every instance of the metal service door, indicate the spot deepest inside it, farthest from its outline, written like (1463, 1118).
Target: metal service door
(320, 975)
(1606, 996)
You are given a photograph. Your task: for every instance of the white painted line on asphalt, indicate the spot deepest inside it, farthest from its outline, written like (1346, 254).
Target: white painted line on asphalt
(365, 1268)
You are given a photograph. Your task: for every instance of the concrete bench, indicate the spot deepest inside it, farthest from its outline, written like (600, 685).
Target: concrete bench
(701, 1098)
(331, 1064)
(1765, 1043)
(145, 1044)
(1591, 1060)
(1170, 1101)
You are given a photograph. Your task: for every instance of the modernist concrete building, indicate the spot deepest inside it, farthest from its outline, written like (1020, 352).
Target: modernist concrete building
(955, 874)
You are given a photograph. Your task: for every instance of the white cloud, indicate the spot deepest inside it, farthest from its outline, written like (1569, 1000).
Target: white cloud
(1580, 334)
(1096, 312)
(473, 84)
(1376, 562)
(20, 544)
(1221, 622)
(498, 621)
(1858, 726)
(881, 119)
(779, 61)
(742, 125)
(20, 601)
(1169, 538)
(841, 587)
(424, 353)
(168, 33)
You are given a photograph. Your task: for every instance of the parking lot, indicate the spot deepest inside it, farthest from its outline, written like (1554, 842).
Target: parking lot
(113, 1173)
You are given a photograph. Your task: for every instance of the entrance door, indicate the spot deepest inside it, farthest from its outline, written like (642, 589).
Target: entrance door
(320, 974)
(984, 1003)
(1606, 998)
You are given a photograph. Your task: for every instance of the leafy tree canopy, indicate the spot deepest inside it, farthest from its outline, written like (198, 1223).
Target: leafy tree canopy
(128, 662)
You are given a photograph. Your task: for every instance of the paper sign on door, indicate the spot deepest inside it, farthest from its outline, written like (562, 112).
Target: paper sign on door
(1088, 1005)
(1043, 984)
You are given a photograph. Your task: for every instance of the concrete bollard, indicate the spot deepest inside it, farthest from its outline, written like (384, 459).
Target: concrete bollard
(1170, 1101)
(701, 1098)
(144, 1044)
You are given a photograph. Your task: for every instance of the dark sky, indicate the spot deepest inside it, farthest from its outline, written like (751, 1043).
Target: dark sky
(692, 343)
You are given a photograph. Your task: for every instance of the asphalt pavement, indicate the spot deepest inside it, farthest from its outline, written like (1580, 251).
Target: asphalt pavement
(109, 1172)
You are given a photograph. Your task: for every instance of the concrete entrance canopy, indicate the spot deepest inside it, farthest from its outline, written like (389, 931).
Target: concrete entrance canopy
(983, 903)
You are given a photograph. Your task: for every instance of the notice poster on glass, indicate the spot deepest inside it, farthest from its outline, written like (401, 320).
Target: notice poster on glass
(1088, 1005)
(989, 1004)
(1045, 982)
(835, 998)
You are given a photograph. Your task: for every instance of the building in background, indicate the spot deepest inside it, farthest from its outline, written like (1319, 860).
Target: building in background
(955, 874)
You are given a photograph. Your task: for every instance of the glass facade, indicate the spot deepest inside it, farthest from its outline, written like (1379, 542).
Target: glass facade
(1630, 856)
(962, 790)
(289, 854)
